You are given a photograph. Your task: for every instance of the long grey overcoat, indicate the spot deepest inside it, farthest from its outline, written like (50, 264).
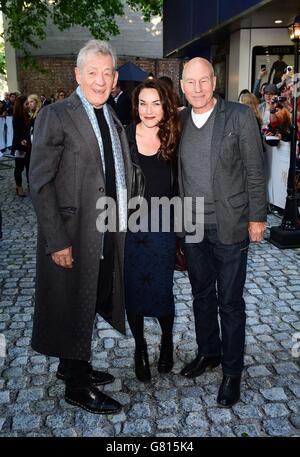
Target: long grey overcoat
(66, 180)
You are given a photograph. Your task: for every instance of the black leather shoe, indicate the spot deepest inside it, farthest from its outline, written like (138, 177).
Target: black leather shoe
(165, 361)
(92, 400)
(229, 392)
(141, 361)
(199, 365)
(98, 378)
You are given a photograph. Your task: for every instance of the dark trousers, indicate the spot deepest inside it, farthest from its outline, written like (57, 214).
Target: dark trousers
(76, 372)
(217, 274)
(20, 164)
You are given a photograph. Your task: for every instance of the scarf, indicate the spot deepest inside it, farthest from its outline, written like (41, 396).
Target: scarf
(117, 155)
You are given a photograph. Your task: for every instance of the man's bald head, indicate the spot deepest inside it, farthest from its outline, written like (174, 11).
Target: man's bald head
(197, 63)
(198, 84)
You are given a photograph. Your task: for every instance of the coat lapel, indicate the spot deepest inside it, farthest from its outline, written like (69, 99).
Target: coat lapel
(84, 127)
(217, 136)
(184, 116)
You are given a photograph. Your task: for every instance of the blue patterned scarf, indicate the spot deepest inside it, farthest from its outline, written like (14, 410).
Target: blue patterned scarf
(117, 154)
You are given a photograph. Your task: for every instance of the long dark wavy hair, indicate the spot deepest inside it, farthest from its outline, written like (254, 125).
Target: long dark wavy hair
(169, 126)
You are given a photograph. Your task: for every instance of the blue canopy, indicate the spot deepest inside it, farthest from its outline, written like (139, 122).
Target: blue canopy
(130, 72)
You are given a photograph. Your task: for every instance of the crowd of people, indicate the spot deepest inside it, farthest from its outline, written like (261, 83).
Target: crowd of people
(24, 110)
(273, 105)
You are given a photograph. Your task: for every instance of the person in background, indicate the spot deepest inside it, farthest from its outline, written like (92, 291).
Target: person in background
(122, 104)
(244, 91)
(45, 101)
(34, 106)
(21, 144)
(7, 102)
(168, 81)
(270, 91)
(286, 94)
(251, 100)
(60, 95)
(280, 121)
(258, 87)
(3, 111)
(278, 68)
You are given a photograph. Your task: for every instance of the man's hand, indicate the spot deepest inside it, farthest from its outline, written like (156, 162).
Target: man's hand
(263, 72)
(63, 258)
(256, 230)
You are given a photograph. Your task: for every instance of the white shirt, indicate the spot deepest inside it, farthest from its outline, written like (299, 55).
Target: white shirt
(200, 119)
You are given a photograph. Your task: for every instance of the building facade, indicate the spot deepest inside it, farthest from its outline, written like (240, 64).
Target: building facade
(238, 36)
(138, 42)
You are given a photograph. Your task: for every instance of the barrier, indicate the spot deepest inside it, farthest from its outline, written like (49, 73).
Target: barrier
(6, 132)
(278, 163)
(6, 137)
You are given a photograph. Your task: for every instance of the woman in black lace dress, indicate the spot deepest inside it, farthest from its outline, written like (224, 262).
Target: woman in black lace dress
(150, 255)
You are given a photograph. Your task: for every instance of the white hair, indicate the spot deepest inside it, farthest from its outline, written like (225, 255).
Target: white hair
(96, 47)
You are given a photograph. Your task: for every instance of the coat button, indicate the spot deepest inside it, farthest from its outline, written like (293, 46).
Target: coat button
(101, 189)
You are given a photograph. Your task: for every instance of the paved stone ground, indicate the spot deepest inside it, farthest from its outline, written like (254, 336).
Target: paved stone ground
(31, 399)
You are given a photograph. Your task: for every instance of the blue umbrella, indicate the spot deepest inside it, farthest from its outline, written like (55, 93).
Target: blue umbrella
(130, 72)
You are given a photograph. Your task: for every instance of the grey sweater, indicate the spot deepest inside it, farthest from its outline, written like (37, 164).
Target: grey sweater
(196, 165)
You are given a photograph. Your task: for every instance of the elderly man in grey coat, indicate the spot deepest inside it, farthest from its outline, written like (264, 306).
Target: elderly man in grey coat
(79, 155)
(221, 160)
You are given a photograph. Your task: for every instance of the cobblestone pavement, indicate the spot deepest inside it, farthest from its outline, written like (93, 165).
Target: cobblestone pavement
(31, 398)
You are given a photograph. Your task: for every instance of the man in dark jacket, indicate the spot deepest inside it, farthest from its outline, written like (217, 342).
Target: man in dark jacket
(79, 155)
(220, 159)
(122, 104)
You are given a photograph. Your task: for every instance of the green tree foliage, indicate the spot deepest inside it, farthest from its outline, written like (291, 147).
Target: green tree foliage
(26, 20)
(2, 60)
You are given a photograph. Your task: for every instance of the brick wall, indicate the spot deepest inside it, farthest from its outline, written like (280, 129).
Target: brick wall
(60, 73)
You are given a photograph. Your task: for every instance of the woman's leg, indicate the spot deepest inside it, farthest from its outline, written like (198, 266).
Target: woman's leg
(19, 167)
(165, 362)
(141, 361)
(136, 324)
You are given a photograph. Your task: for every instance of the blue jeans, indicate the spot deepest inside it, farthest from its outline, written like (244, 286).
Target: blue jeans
(217, 274)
